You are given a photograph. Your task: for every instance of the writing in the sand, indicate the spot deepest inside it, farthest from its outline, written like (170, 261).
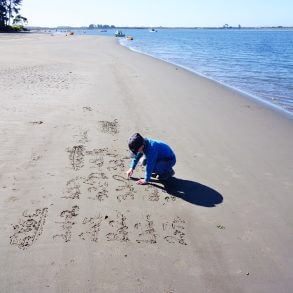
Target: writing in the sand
(105, 167)
(98, 228)
(105, 164)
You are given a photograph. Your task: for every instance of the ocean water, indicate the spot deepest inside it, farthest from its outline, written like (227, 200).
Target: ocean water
(256, 62)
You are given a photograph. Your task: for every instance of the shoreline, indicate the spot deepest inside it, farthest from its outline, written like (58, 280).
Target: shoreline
(262, 101)
(265, 103)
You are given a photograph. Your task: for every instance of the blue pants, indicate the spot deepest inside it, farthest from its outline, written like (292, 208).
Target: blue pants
(164, 166)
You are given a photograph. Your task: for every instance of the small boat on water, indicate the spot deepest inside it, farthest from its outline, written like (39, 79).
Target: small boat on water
(129, 38)
(70, 34)
(103, 31)
(119, 34)
(152, 30)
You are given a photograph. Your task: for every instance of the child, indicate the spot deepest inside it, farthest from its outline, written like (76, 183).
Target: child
(159, 158)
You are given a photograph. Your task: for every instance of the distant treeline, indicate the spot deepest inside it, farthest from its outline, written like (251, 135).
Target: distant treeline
(101, 26)
(158, 27)
(10, 19)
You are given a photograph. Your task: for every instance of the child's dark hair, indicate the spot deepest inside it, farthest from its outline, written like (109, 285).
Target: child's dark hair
(135, 142)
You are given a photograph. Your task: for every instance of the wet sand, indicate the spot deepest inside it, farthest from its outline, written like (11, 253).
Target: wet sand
(71, 222)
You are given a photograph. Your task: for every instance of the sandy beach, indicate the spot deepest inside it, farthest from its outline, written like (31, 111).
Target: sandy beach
(71, 222)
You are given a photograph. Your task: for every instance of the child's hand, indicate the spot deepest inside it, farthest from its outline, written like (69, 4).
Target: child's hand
(141, 182)
(129, 173)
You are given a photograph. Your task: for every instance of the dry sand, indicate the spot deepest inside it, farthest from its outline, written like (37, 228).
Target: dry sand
(70, 222)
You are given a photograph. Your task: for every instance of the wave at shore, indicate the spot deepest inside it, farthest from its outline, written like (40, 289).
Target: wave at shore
(258, 63)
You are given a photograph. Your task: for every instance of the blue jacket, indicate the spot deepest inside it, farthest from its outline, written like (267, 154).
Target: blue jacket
(154, 151)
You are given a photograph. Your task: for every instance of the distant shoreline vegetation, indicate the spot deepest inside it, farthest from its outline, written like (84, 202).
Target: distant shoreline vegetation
(97, 27)
(14, 29)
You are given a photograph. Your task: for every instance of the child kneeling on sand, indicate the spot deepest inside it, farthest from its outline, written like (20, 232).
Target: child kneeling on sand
(158, 158)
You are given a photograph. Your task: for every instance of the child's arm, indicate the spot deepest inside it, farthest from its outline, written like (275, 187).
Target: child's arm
(135, 160)
(151, 162)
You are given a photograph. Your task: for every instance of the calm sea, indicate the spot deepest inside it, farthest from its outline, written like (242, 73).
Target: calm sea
(257, 62)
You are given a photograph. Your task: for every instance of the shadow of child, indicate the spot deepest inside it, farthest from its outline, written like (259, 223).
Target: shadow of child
(190, 191)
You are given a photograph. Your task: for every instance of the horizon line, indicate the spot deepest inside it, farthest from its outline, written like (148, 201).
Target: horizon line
(158, 27)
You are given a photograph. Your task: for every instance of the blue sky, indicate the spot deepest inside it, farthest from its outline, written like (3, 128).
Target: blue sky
(159, 12)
